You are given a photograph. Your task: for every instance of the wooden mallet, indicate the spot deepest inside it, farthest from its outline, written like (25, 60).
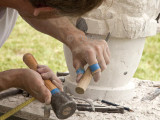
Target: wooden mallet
(62, 104)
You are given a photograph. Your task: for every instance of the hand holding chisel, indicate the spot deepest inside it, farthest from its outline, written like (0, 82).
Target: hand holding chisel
(87, 76)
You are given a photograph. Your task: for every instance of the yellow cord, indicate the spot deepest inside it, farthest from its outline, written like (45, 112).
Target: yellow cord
(14, 110)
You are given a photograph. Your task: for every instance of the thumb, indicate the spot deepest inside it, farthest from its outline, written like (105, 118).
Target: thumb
(45, 94)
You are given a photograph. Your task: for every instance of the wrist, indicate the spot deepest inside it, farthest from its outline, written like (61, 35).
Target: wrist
(10, 78)
(75, 38)
(68, 33)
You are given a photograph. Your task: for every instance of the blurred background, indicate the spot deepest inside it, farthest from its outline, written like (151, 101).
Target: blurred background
(49, 51)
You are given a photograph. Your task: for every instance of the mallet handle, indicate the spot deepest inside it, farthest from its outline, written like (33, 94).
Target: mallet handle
(31, 62)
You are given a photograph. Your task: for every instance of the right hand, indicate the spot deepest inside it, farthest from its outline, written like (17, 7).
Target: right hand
(33, 83)
(47, 74)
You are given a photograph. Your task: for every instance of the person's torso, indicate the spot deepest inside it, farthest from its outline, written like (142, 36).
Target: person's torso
(8, 19)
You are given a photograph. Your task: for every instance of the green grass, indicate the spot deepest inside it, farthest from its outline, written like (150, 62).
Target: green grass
(24, 39)
(149, 67)
(49, 51)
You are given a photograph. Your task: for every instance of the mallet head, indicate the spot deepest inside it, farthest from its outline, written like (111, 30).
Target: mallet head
(63, 105)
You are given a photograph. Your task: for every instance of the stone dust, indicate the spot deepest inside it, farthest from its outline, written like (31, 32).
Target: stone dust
(143, 110)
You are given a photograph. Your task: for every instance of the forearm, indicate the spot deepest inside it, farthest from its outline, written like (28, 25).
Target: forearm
(84, 50)
(59, 28)
(9, 78)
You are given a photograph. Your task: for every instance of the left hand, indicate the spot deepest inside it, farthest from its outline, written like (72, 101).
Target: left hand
(85, 50)
(47, 74)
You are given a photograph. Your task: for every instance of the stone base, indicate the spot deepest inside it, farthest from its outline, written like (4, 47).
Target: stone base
(98, 93)
(143, 110)
(33, 111)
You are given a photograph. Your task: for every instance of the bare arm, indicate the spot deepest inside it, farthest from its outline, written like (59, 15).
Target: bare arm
(59, 28)
(28, 80)
(84, 50)
(9, 79)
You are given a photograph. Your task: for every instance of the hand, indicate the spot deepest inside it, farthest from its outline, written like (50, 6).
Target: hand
(32, 82)
(90, 51)
(47, 74)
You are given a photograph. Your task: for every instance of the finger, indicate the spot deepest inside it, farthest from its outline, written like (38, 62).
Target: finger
(91, 57)
(107, 50)
(91, 60)
(50, 76)
(96, 76)
(58, 85)
(41, 66)
(101, 51)
(80, 73)
(43, 69)
(106, 58)
(57, 82)
(79, 69)
(54, 77)
(44, 95)
(106, 53)
(79, 76)
(47, 75)
(102, 62)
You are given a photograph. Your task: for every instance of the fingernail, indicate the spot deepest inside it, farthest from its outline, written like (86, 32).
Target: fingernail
(96, 76)
(79, 77)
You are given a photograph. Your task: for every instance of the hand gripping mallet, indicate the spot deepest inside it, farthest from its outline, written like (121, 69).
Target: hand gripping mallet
(62, 104)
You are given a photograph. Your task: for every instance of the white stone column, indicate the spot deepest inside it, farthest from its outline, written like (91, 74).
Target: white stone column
(129, 22)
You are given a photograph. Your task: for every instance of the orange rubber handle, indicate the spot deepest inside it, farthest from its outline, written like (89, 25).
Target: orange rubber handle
(31, 62)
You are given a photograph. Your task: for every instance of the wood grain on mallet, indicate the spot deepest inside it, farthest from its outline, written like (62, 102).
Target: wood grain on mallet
(31, 62)
(84, 82)
(49, 85)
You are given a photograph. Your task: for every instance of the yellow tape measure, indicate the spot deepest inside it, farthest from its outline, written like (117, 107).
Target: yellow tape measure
(14, 110)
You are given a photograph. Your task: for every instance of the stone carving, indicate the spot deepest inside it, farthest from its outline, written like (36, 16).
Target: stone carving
(129, 22)
(125, 18)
